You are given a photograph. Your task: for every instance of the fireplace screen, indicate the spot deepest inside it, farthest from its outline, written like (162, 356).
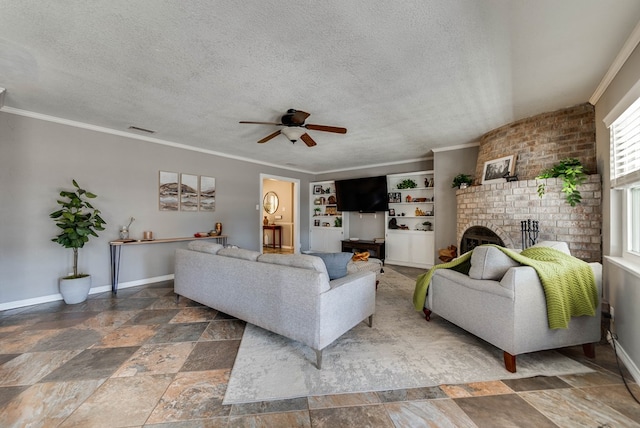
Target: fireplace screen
(478, 235)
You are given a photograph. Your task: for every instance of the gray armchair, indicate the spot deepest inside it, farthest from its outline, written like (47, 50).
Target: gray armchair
(505, 305)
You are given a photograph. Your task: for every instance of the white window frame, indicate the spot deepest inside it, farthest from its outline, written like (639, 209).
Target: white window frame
(621, 181)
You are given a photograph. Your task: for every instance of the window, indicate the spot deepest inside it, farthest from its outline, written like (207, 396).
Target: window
(625, 175)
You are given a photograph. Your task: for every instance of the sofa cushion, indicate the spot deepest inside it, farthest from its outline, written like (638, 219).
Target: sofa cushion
(489, 262)
(336, 263)
(204, 246)
(302, 261)
(239, 253)
(556, 245)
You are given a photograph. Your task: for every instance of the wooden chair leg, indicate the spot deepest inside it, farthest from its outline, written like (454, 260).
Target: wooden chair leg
(509, 362)
(589, 349)
(427, 313)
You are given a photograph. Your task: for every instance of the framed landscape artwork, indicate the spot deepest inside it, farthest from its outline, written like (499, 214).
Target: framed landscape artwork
(495, 170)
(168, 191)
(207, 195)
(188, 192)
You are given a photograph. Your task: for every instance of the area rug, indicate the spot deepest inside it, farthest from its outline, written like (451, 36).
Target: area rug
(401, 351)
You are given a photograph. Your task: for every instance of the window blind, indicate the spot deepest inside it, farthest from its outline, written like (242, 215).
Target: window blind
(625, 147)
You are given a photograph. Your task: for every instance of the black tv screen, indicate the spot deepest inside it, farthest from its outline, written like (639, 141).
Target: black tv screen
(365, 195)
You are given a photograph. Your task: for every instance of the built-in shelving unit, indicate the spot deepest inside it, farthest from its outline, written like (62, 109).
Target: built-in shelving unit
(410, 221)
(327, 225)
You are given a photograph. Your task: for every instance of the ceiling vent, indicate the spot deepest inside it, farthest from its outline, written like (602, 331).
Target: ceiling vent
(148, 131)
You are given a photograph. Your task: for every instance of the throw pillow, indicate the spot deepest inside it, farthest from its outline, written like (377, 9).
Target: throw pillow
(490, 263)
(336, 263)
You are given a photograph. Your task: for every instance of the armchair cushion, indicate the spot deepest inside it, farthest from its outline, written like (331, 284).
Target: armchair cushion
(490, 263)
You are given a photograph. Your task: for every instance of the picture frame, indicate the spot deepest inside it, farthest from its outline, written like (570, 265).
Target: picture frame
(168, 191)
(188, 192)
(494, 171)
(207, 193)
(392, 212)
(317, 189)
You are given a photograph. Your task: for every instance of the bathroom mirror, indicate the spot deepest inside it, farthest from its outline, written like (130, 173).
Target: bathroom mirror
(270, 202)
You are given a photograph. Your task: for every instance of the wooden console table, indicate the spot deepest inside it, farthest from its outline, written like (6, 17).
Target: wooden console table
(116, 246)
(273, 228)
(349, 246)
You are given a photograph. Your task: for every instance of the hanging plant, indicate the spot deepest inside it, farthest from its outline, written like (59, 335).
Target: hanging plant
(572, 173)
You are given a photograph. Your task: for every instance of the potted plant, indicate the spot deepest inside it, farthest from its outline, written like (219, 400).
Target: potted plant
(462, 181)
(78, 220)
(407, 184)
(572, 173)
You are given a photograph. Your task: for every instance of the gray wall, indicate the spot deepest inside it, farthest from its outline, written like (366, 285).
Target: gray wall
(448, 164)
(39, 158)
(622, 288)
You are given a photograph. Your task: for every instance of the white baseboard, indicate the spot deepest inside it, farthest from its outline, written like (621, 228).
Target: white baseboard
(94, 290)
(626, 360)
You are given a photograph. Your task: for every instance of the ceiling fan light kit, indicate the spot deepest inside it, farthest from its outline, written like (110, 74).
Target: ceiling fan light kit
(295, 128)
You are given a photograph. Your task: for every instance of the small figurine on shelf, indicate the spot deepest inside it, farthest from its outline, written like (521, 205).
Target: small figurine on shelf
(409, 198)
(265, 221)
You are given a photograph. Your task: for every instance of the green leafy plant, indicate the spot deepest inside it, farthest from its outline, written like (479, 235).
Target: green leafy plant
(78, 220)
(407, 184)
(460, 179)
(572, 173)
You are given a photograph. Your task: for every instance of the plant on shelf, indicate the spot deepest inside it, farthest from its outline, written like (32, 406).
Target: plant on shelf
(79, 220)
(461, 181)
(572, 173)
(316, 211)
(407, 184)
(337, 222)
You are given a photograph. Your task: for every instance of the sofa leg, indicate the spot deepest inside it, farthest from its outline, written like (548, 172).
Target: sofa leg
(371, 320)
(318, 359)
(509, 362)
(589, 349)
(177, 299)
(427, 314)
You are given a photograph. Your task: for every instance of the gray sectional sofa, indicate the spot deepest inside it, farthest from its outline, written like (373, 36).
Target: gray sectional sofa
(288, 294)
(503, 303)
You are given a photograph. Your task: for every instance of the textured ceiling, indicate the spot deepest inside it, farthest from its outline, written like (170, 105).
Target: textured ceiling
(404, 77)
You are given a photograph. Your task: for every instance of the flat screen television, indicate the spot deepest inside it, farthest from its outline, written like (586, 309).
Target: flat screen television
(366, 195)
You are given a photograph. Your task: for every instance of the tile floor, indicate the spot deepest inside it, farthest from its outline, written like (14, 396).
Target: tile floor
(141, 359)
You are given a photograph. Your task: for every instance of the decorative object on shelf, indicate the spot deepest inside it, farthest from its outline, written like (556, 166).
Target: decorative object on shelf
(462, 181)
(316, 222)
(392, 212)
(395, 197)
(316, 211)
(124, 230)
(147, 235)
(429, 182)
(337, 222)
(572, 173)
(317, 189)
(427, 225)
(407, 183)
(219, 228)
(331, 210)
(331, 199)
(510, 178)
(78, 220)
(495, 170)
(408, 198)
(419, 212)
(327, 190)
(265, 221)
(393, 223)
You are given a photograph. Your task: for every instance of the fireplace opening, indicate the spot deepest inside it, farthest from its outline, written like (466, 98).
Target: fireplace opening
(478, 235)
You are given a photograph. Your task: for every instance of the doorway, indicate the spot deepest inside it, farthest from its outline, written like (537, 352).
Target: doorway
(280, 210)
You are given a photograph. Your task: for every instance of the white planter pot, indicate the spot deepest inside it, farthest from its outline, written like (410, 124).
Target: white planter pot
(75, 290)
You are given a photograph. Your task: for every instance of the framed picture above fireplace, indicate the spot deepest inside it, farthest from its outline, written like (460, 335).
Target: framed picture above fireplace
(495, 170)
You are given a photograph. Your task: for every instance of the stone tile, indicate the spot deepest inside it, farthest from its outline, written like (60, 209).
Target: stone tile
(72, 338)
(224, 330)
(30, 367)
(275, 406)
(48, 404)
(8, 393)
(343, 400)
(193, 395)
(202, 314)
(362, 416)
(24, 341)
(476, 389)
(426, 393)
(216, 422)
(160, 316)
(128, 335)
(575, 407)
(582, 380)
(503, 411)
(212, 356)
(156, 359)
(179, 333)
(536, 383)
(428, 413)
(223, 316)
(170, 303)
(95, 363)
(289, 419)
(62, 320)
(7, 357)
(618, 398)
(128, 304)
(120, 402)
(108, 320)
(154, 292)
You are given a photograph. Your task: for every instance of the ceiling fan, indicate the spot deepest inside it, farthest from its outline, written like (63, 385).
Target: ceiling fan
(295, 128)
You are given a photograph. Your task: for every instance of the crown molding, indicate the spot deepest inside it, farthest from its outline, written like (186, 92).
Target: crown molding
(457, 147)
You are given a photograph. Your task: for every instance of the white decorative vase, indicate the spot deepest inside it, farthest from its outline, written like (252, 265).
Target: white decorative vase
(75, 290)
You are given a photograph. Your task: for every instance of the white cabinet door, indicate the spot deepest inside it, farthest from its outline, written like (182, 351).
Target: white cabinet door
(326, 240)
(410, 248)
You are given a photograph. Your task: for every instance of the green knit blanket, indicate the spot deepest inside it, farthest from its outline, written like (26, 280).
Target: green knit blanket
(569, 284)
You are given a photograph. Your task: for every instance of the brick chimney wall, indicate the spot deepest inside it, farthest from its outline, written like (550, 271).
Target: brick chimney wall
(538, 143)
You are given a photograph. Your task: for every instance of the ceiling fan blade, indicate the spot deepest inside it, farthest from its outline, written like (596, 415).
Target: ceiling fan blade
(325, 128)
(268, 137)
(308, 140)
(260, 123)
(299, 117)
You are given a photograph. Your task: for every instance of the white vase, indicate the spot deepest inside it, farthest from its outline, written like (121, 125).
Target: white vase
(75, 290)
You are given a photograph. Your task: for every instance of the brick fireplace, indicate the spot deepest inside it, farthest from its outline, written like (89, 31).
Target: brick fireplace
(501, 207)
